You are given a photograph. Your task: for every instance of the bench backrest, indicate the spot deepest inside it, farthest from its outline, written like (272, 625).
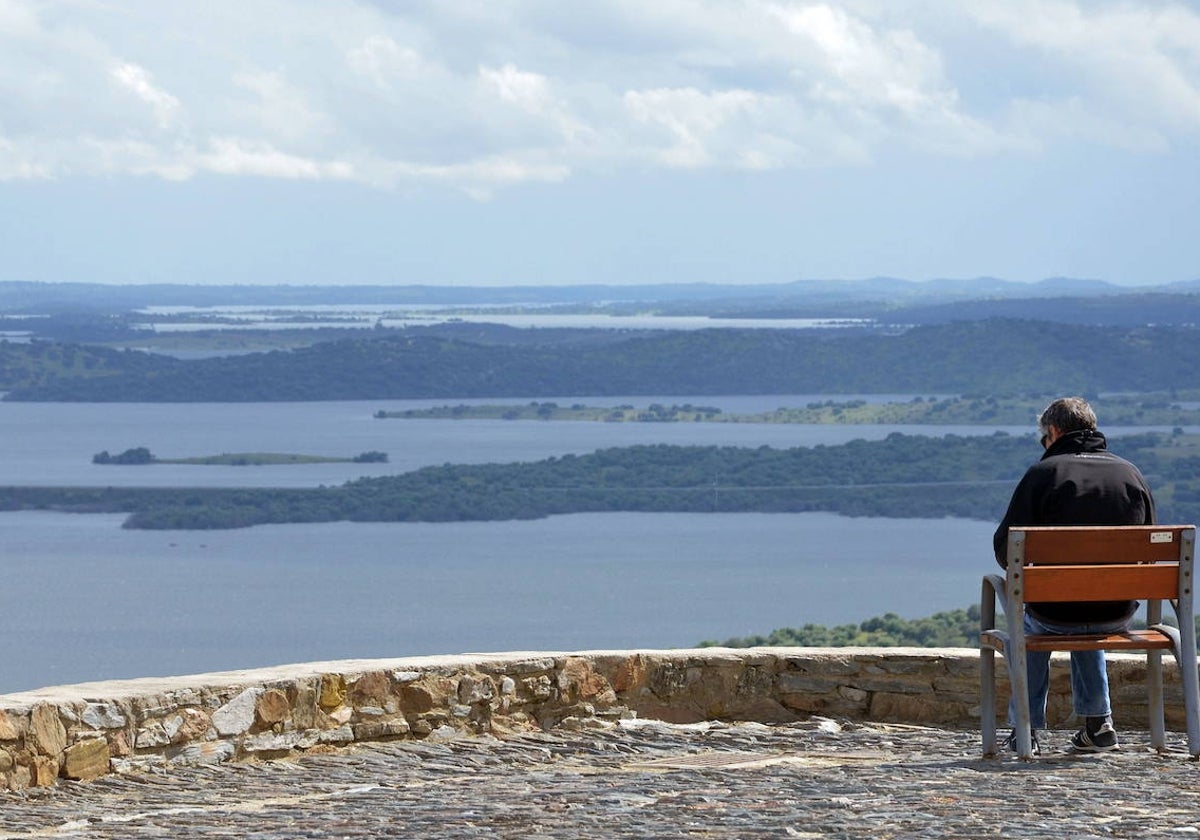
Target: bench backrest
(1102, 563)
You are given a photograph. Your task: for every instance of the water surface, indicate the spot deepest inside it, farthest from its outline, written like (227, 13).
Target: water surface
(84, 599)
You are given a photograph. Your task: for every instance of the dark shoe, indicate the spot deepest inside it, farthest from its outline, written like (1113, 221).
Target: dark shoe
(1095, 737)
(1010, 743)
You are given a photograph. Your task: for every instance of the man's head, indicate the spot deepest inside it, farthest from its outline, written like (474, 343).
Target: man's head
(1066, 415)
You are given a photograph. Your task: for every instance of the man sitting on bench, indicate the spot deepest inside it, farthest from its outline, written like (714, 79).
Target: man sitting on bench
(1076, 482)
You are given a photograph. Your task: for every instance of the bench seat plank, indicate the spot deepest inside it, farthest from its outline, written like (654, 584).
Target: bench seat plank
(1131, 640)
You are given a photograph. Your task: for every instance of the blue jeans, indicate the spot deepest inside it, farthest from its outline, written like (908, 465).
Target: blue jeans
(1089, 674)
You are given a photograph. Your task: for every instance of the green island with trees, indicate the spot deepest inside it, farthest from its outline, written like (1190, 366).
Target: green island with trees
(907, 476)
(1161, 409)
(140, 455)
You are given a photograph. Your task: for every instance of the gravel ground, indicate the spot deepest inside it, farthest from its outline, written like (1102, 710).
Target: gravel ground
(642, 779)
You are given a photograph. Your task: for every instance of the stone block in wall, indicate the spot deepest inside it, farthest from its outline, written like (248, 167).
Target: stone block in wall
(378, 730)
(305, 705)
(9, 729)
(519, 667)
(237, 715)
(104, 716)
(792, 682)
(153, 734)
(342, 735)
(432, 691)
(629, 674)
(822, 663)
(908, 665)
(475, 689)
(537, 689)
(151, 706)
(668, 678)
(912, 708)
(277, 743)
(371, 689)
(578, 680)
(915, 684)
(47, 731)
(333, 691)
(87, 759)
(44, 770)
(20, 778)
(191, 724)
(119, 743)
(843, 701)
(272, 707)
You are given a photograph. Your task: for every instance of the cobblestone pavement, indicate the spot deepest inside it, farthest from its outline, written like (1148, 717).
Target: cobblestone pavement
(642, 780)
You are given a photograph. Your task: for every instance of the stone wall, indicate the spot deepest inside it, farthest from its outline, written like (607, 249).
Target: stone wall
(85, 731)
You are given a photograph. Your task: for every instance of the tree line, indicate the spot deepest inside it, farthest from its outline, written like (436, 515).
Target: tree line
(952, 628)
(994, 356)
(907, 476)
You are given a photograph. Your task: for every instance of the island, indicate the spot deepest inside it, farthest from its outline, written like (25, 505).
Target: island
(1154, 409)
(905, 476)
(140, 455)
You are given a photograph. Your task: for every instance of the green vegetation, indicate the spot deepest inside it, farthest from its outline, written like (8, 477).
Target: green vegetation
(900, 476)
(956, 628)
(993, 357)
(141, 455)
(1140, 410)
(138, 455)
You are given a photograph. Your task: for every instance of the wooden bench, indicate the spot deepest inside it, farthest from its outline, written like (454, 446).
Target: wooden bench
(1150, 563)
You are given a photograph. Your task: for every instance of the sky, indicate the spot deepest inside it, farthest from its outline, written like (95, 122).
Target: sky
(512, 142)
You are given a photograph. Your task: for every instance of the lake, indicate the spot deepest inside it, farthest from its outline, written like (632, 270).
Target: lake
(84, 599)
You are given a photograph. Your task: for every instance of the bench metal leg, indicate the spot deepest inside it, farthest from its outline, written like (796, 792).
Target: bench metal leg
(1018, 677)
(1191, 689)
(1154, 688)
(987, 699)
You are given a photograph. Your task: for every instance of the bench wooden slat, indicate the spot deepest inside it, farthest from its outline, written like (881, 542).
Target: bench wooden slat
(1114, 544)
(1131, 640)
(1101, 583)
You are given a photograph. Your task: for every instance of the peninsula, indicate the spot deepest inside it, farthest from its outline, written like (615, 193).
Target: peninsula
(1158, 409)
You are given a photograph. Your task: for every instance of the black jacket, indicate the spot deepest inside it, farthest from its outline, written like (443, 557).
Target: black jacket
(1078, 482)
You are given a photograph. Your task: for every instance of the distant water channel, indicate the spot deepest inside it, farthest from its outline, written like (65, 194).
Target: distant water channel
(53, 443)
(84, 599)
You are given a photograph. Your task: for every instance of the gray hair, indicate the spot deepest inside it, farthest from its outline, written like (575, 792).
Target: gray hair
(1067, 414)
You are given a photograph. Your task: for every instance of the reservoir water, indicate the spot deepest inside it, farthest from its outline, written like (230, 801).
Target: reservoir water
(84, 599)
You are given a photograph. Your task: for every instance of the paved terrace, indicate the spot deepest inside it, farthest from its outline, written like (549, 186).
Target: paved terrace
(594, 766)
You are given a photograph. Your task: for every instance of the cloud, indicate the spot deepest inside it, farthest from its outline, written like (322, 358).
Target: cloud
(478, 97)
(384, 62)
(1135, 65)
(233, 156)
(134, 78)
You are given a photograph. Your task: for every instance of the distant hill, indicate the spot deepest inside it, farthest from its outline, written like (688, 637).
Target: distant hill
(1127, 309)
(24, 297)
(983, 357)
